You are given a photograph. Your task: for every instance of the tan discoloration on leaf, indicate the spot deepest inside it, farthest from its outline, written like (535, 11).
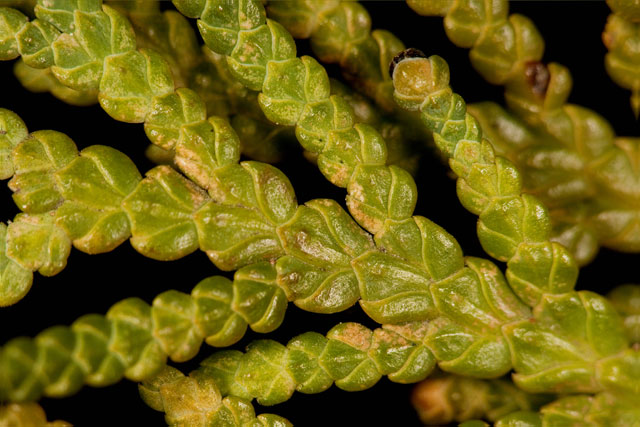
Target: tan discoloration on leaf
(413, 331)
(373, 225)
(356, 336)
(341, 174)
(389, 338)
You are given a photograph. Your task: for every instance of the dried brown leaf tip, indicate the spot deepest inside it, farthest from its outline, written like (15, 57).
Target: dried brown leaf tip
(405, 54)
(538, 77)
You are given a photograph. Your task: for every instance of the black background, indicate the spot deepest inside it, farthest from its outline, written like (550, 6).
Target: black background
(572, 31)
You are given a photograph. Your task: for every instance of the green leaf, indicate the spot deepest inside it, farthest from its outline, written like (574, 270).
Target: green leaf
(93, 338)
(37, 243)
(318, 119)
(463, 297)
(168, 113)
(321, 240)
(74, 67)
(255, 49)
(483, 182)
(221, 21)
(173, 315)
(376, 193)
(258, 298)
(620, 374)
(327, 290)
(262, 371)
(222, 366)
(36, 160)
(402, 359)
(12, 131)
(60, 13)
(626, 300)
(204, 147)
(18, 357)
(34, 41)
(348, 25)
(90, 37)
(344, 150)
(499, 296)
(161, 210)
(151, 390)
(507, 132)
(422, 243)
(283, 98)
(94, 186)
(196, 400)
(15, 281)
(219, 323)
(300, 20)
(131, 339)
(508, 222)
(122, 36)
(555, 173)
(520, 419)
(558, 349)
(346, 357)
(11, 21)
(273, 191)
(304, 363)
(603, 409)
(131, 81)
(234, 235)
(460, 349)
(43, 80)
(393, 291)
(539, 268)
(55, 347)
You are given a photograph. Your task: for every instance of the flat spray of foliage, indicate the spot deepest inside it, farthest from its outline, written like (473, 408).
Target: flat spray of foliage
(573, 355)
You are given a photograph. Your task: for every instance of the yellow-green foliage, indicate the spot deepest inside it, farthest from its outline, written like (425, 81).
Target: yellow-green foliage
(242, 92)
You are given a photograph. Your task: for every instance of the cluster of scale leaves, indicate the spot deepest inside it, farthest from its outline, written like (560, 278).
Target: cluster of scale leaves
(568, 155)
(245, 213)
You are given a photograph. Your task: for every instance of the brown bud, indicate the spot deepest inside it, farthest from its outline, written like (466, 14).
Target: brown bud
(538, 77)
(407, 53)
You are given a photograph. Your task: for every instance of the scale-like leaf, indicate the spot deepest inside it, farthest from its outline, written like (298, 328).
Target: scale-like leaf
(320, 241)
(37, 243)
(15, 280)
(35, 160)
(161, 210)
(94, 186)
(12, 131)
(557, 351)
